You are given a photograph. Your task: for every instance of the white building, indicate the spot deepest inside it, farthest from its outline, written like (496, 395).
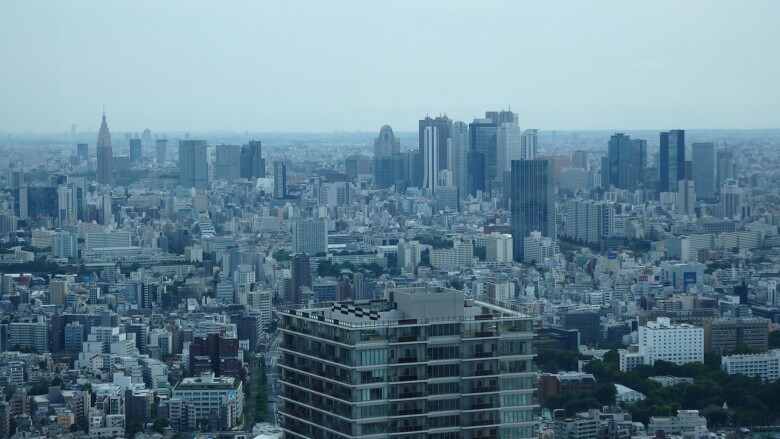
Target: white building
(679, 344)
(208, 393)
(765, 366)
(498, 247)
(538, 248)
(685, 421)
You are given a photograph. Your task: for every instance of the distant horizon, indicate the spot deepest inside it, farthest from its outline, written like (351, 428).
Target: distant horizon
(352, 66)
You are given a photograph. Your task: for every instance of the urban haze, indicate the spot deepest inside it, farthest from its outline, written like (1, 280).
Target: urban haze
(384, 219)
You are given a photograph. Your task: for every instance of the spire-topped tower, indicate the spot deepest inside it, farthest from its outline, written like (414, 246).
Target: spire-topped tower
(105, 154)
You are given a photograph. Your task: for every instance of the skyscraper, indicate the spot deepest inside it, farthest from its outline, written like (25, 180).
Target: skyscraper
(430, 150)
(672, 160)
(508, 140)
(533, 206)
(627, 159)
(444, 125)
(484, 140)
(105, 155)
(460, 148)
(252, 161)
(300, 276)
(529, 145)
(579, 160)
(704, 169)
(726, 167)
(280, 180)
(386, 144)
(228, 164)
(82, 151)
(193, 164)
(135, 150)
(390, 167)
(161, 150)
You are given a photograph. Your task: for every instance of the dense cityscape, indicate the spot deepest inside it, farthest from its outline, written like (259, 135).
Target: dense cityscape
(468, 280)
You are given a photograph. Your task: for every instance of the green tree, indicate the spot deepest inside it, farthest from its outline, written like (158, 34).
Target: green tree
(160, 424)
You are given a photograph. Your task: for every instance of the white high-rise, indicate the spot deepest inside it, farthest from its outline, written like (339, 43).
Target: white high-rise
(430, 157)
(529, 145)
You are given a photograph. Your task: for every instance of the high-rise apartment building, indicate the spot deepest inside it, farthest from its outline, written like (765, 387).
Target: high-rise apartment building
(672, 160)
(425, 362)
(533, 207)
(105, 155)
(280, 180)
(193, 164)
(703, 163)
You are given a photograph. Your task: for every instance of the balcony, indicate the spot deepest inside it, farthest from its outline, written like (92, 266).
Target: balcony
(486, 389)
(407, 359)
(484, 372)
(407, 395)
(408, 378)
(484, 355)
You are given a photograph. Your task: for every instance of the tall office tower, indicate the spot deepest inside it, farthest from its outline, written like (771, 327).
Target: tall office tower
(423, 362)
(444, 127)
(386, 144)
(59, 292)
(105, 155)
(529, 145)
(483, 135)
(508, 140)
(703, 159)
(300, 268)
(579, 160)
(193, 164)
(228, 165)
(280, 180)
(627, 159)
(430, 150)
(135, 150)
(82, 151)
(726, 167)
(672, 160)
(730, 199)
(310, 236)
(161, 150)
(459, 148)
(390, 167)
(252, 161)
(686, 197)
(533, 207)
(357, 164)
(475, 172)
(415, 168)
(67, 203)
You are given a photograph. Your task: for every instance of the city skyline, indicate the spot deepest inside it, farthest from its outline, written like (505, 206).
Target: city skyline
(273, 67)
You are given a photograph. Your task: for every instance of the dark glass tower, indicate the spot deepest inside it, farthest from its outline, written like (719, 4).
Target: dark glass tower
(627, 159)
(533, 206)
(484, 139)
(703, 164)
(252, 161)
(672, 160)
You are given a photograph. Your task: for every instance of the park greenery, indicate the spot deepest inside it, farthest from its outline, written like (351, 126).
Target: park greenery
(723, 399)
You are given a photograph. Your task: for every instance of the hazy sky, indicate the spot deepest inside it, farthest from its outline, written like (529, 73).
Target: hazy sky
(356, 65)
